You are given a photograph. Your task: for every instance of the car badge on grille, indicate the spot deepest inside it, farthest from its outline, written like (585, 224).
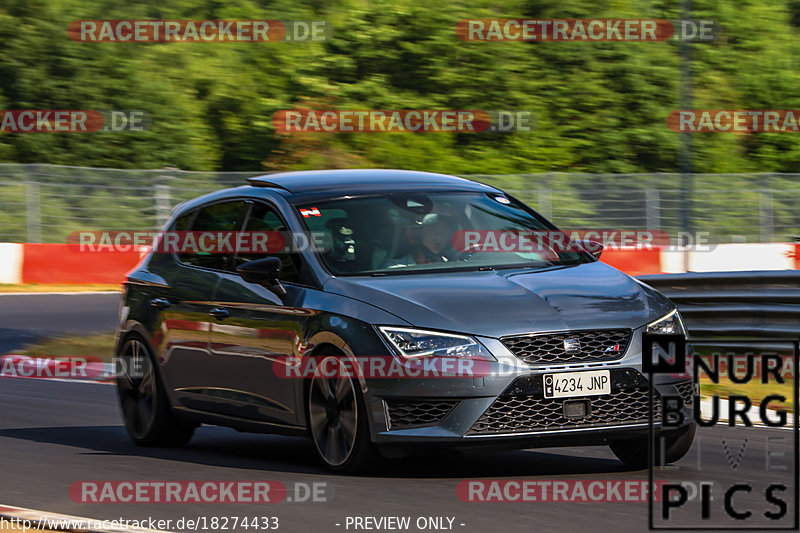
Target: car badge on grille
(572, 345)
(614, 348)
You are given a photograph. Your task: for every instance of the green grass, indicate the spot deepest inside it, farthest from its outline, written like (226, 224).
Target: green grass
(97, 346)
(755, 390)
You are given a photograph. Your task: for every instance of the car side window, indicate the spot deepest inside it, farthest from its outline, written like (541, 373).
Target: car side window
(183, 222)
(264, 218)
(226, 216)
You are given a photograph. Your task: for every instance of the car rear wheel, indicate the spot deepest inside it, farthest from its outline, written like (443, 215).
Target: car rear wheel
(143, 401)
(676, 444)
(337, 419)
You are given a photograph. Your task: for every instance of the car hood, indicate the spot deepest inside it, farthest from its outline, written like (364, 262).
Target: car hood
(505, 302)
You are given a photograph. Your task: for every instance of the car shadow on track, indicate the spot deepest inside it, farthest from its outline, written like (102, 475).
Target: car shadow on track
(14, 339)
(221, 447)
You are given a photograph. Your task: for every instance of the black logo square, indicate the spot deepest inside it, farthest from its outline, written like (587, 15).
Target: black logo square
(663, 353)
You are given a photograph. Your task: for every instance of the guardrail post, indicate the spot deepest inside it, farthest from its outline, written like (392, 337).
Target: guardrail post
(766, 222)
(163, 204)
(33, 215)
(652, 207)
(545, 203)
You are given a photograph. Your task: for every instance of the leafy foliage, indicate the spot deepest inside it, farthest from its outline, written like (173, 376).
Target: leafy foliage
(601, 107)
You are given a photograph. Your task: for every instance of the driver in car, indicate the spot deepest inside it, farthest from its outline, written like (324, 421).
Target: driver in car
(430, 242)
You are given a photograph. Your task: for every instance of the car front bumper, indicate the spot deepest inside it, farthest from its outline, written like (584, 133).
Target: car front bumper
(507, 408)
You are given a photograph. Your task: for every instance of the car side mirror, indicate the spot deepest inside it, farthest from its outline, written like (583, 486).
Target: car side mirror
(265, 272)
(593, 247)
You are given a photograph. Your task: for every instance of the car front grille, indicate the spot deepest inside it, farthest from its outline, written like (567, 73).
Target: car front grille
(533, 412)
(592, 346)
(415, 413)
(686, 390)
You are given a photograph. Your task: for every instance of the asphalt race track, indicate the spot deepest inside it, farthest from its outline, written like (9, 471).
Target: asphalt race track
(24, 318)
(54, 434)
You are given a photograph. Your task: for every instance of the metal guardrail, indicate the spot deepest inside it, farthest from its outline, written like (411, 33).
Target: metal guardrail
(760, 304)
(45, 203)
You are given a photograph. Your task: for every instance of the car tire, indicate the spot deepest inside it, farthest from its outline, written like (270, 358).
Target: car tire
(633, 452)
(338, 421)
(143, 399)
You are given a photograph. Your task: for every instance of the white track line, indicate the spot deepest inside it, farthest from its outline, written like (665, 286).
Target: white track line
(53, 521)
(56, 293)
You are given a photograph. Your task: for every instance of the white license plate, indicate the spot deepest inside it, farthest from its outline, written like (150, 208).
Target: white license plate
(571, 384)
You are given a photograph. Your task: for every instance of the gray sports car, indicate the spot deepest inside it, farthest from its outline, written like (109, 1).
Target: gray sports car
(421, 319)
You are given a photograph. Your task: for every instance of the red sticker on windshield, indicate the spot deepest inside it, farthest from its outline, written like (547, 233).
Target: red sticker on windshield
(310, 212)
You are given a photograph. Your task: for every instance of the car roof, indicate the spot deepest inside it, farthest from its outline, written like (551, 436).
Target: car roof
(330, 184)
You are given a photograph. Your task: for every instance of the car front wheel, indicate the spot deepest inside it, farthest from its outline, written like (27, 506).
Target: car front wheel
(337, 419)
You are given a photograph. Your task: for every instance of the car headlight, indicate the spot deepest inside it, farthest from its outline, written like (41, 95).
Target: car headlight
(671, 323)
(413, 344)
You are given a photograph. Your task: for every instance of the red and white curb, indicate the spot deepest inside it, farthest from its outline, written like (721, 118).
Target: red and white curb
(56, 293)
(55, 369)
(32, 520)
(11, 259)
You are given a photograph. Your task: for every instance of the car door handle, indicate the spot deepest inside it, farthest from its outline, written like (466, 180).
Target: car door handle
(160, 303)
(220, 313)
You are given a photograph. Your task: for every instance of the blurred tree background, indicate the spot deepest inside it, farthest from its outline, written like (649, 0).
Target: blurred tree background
(601, 107)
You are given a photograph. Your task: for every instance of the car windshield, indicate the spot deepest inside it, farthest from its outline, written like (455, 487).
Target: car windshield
(424, 232)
